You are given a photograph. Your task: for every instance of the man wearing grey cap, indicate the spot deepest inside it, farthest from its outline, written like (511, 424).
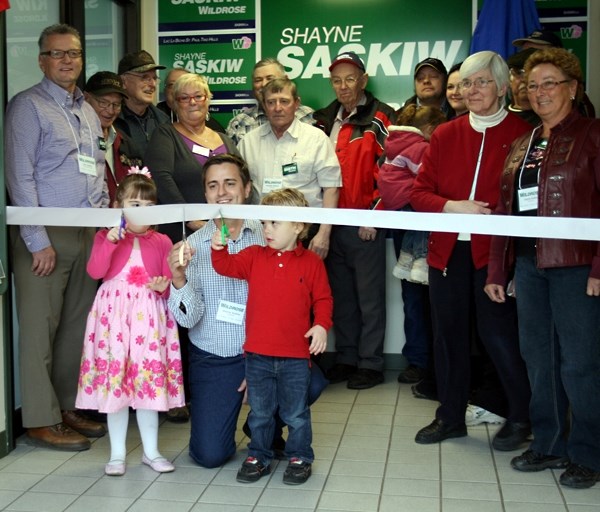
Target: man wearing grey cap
(430, 86)
(139, 117)
(104, 91)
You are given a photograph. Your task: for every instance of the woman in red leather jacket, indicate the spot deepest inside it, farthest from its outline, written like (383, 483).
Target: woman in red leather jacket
(554, 171)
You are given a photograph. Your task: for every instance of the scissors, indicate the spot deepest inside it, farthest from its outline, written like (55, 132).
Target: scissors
(184, 242)
(122, 225)
(224, 230)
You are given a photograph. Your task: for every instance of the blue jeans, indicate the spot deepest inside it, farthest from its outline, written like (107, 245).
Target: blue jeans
(278, 384)
(417, 315)
(559, 330)
(214, 405)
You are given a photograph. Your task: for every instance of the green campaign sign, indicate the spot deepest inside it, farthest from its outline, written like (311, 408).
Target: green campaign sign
(391, 36)
(206, 14)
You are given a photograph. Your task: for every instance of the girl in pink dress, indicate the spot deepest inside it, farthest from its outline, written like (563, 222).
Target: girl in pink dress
(131, 354)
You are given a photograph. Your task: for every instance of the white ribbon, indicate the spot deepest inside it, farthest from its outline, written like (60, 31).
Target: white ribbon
(536, 227)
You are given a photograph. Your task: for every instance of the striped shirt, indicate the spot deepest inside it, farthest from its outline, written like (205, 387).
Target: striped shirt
(195, 305)
(46, 129)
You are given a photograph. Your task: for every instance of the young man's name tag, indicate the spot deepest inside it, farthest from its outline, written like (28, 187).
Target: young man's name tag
(231, 312)
(528, 199)
(87, 165)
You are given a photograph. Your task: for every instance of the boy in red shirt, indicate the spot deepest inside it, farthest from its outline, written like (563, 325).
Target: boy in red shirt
(285, 283)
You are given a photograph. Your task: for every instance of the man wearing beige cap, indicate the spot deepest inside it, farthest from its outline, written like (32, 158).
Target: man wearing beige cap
(139, 117)
(104, 91)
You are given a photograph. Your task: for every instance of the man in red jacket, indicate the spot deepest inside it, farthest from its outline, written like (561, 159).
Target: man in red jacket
(357, 124)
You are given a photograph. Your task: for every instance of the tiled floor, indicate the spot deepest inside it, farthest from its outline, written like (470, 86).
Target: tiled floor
(366, 460)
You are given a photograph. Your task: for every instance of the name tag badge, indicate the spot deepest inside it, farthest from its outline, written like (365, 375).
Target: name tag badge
(231, 312)
(270, 184)
(288, 169)
(200, 150)
(87, 165)
(528, 199)
(101, 144)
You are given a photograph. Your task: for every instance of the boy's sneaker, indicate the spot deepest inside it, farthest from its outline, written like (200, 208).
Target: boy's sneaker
(251, 471)
(297, 472)
(476, 415)
(403, 266)
(419, 273)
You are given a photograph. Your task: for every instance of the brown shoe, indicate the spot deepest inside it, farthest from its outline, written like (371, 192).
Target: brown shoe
(82, 425)
(178, 414)
(58, 437)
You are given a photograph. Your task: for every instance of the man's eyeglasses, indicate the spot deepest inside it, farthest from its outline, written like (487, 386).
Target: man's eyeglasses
(350, 81)
(479, 83)
(547, 85)
(145, 79)
(60, 54)
(199, 98)
(105, 105)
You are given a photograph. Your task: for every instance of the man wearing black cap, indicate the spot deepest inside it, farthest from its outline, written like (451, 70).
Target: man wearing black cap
(430, 86)
(104, 91)
(356, 123)
(139, 117)
(519, 100)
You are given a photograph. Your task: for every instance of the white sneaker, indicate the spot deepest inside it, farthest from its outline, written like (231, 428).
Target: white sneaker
(476, 415)
(419, 273)
(403, 266)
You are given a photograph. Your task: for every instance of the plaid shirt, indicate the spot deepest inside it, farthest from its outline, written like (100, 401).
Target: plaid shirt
(195, 305)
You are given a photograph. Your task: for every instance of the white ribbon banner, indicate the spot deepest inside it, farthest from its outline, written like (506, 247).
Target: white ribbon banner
(536, 227)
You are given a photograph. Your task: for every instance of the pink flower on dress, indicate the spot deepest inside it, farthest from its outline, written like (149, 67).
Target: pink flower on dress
(101, 364)
(114, 368)
(170, 323)
(175, 365)
(92, 337)
(153, 346)
(139, 340)
(159, 382)
(163, 341)
(117, 392)
(151, 321)
(102, 344)
(174, 346)
(85, 367)
(88, 390)
(117, 293)
(104, 319)
(137, 276)
(120, 336)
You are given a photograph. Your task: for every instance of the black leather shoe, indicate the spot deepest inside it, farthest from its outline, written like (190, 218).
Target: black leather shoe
(534, 461)
(365, 379)
(579, 477)
(340, 372)
(425, 389)
(438, 431)
(512, 436)
(411, 374)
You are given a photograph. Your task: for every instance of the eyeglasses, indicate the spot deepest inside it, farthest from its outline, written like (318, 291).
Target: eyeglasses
(479, 83)
(105, 105)
(547, 85)
(60, 54)
(199, 98)
(145, 79)
(350, 81)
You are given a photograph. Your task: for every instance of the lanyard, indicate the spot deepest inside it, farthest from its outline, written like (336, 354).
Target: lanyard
(73, 131)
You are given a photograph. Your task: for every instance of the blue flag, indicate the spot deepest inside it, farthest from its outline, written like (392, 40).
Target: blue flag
(501, 22)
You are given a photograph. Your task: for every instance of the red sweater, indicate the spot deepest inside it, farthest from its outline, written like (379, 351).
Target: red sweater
(447, 173)
(283, 286)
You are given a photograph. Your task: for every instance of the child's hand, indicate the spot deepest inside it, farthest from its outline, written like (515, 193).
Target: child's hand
(113, 234)
(158, 283)
(318, 343)
(174, 262)
(217, 241)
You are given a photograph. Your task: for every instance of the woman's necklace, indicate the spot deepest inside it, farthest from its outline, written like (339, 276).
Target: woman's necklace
(199, 136)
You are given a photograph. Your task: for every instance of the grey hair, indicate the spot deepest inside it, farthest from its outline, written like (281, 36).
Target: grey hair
(486, 60)
(267, 61)
(57, 29)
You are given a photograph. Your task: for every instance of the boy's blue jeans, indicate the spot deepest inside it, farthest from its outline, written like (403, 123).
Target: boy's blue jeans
(278, 383)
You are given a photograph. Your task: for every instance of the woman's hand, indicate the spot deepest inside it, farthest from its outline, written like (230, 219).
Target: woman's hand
(495, 292)
(467, 206)
(593, 287)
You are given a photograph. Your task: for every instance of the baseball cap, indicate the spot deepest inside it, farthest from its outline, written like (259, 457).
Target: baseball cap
(138, 62)
(105, 82)
(350, 58)
(517, 61)
(436, 64)
(545, 37)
